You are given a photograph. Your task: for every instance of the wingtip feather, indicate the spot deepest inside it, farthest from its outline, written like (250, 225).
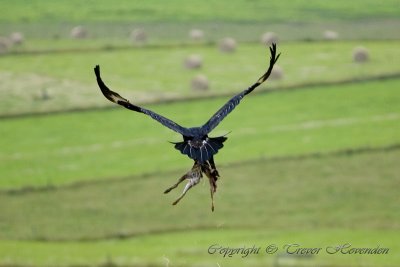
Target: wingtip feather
(97, 70)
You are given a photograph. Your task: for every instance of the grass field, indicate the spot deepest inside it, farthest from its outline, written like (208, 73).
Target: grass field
(261, 190)
(336, 199)
(140, 74)
(292, 123)
(312, 158)
(47, 37)
(196, 10)
(191, 248)
(47, 24)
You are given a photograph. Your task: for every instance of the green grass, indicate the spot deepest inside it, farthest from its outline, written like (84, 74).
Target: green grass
(234, 10)
(56, 36)
(47, 24)
(65, 148)
(313, 201)
(244, 20)
(157, 73)
(103, 210)
(190, 248)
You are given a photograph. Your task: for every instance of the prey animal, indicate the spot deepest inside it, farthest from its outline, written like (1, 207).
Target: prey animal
(196, 144)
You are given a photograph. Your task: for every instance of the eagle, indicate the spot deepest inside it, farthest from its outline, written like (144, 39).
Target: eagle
(196, 144)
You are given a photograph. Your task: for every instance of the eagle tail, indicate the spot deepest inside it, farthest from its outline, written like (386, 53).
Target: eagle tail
(209, 148)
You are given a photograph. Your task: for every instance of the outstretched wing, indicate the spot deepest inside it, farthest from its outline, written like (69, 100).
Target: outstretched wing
(116, 98)
(234, 101)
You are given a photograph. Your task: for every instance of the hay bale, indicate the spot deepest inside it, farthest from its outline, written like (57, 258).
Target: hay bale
(139, 36)
(79, 32)
(227, 45)
(4, 45)
(200, 83)
(17, 38)
(44, 94)
(193, 62)
(196, 35)
(277, 73)
(360, 54)
(330, 35)
(269, 37)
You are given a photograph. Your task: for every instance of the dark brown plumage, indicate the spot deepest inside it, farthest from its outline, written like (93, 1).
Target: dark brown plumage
(196, 143)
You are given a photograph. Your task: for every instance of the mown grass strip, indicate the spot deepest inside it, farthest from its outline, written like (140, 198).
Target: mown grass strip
(190, 248)
(178, 99)
(66, 148)
(46, 11)
(343, 191)
(43, 83)
(349, 151)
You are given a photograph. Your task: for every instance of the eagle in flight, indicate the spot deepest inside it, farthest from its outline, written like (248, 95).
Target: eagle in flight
(196, 143)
